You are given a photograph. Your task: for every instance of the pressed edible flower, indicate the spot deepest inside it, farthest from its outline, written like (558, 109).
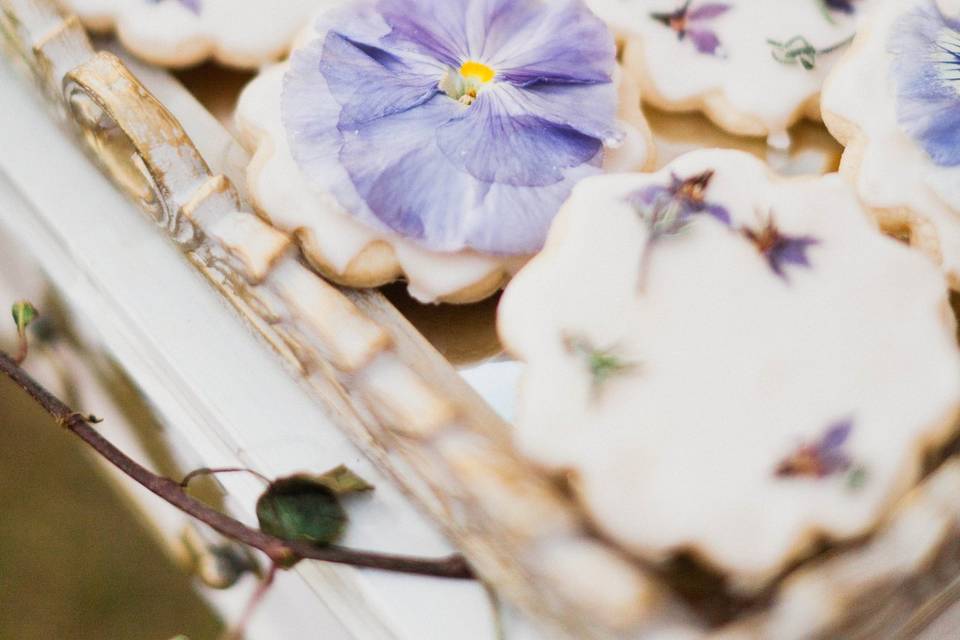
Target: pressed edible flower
(191, 5)
(693, 23)
(926, 69)
(780, 249)
(825, 457)
(667, 209)
(459, 124)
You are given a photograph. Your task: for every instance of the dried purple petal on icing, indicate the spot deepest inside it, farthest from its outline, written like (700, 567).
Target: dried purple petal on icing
(694, 22)
(704, 40)
(667, 209)
(460, 124)
(822, 458)
(925, 46)
(837, 435)
(708, 11)
(779, 249)
(191, 5)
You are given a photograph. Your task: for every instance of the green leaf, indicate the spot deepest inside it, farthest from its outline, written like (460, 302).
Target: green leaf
(857, 478)
(302, 508)
(605, 365)
(24, 314)
(342, 481)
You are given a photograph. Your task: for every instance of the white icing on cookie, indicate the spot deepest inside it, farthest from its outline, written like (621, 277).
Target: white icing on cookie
(864, 106)
(724, 63)
(721, 389)
(340, 246)
(176, 33)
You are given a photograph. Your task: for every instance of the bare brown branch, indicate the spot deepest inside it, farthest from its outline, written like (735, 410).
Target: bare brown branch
(280, 552)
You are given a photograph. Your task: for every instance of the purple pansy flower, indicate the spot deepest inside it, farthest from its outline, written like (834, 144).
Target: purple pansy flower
(191, 5)
(667, 209)
(460, 124)
(925, 45)
(780, 249)
(825, 457)
(688, 21)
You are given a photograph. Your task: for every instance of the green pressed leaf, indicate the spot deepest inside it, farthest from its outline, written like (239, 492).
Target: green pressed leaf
(604, 366)
(24, 314)
(857, 478)
(342, 481)
(301, 508)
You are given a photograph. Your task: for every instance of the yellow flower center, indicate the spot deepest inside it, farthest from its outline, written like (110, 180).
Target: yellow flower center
(472, 70)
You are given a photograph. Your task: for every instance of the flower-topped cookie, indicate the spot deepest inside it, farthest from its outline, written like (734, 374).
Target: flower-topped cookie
(754, 67)
(177, 33)
(728, 362)
(894, 101)
(436, 140)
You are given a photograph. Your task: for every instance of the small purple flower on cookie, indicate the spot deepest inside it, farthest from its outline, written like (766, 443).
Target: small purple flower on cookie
(694, 23)
(190, 5)
(925, 46)
(820, 459)
(843, 6)
(667, 209)
(779, 249)
(458, 124)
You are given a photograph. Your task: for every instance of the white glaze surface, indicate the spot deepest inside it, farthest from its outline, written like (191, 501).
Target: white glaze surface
(765, 96)
(282, 193)
(243, 33)
(735, 367)
(890, 170)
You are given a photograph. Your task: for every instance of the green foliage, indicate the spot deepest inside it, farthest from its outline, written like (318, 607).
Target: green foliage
(24, 314)
(857, 478)
(342, 481)
(307, 507)
(795, 50)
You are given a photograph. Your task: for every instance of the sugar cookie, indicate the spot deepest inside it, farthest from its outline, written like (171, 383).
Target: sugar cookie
(755, 67)
(894, 101)
(730, 363)
(393, 149)
(179, 33)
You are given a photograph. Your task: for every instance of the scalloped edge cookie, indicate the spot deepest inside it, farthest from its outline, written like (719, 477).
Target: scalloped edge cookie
(725, 103)
(562, 297)
(859, 111)
(169, 34)
(355, 255)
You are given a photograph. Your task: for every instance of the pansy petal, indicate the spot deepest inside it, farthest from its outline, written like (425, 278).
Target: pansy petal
(515, 220)
(405, 181)
(495, 145)
(369, 122)
(562, 43)
(410, 186)
(444, 35)
(370, 82)
(591, 109)
(926, 67)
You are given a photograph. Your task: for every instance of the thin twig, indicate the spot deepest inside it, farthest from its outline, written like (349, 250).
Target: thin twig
(23, 347)
(238, 630)
(206, 471)
(281, 552)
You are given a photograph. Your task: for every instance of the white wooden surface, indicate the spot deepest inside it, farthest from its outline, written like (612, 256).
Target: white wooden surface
(210, 380)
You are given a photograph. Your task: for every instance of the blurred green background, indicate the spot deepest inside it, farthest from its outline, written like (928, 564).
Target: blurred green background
(74, 563)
